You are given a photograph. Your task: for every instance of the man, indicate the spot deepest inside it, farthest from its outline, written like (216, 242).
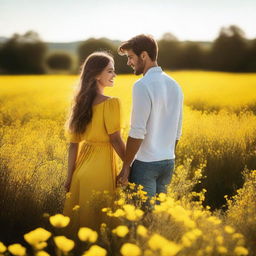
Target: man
(156, 119)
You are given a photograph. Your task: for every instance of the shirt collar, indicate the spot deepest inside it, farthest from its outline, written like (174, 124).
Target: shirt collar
(153, 70)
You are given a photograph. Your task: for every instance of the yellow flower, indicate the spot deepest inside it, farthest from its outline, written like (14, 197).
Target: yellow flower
(76, 207)
(40, 245)
(17, 249)
(214, 220)
(186, 241)
(121, 231)
(156, 242)
(59, 220)
(118, 213)
(131, 213)
(68, 195)
(132, 185)
(162, 197)
(170, 249)
(237, 236)
(129, 249)
(95, 250)
(42, 253)
(37, 236)
(222, 249)
(229, 229)
(219, 239)
(129, 208)
(142, 231)
(87, 234)
(63, 243)
(2, 247)
(120, 202)
(240, 251)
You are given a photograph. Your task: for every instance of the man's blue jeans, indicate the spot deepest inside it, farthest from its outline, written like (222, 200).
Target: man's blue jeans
(153, 176)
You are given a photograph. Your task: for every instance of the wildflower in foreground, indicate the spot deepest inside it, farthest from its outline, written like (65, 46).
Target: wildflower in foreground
(40, 245)
(63, 243)
(95, 250)
(42, 253)
(129, 249)
(87, 235)
(142, 231)
(222, 250)
(241, 251)
(68, 195)
(229, 229)
(2, 247)
(170, 249)
(59, 220)
(121, 231)
(17, 249)
(76, 207)
(131, 213)
(37, 236)
(158, 242)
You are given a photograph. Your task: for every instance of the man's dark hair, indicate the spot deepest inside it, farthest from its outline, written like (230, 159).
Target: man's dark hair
(140, 43)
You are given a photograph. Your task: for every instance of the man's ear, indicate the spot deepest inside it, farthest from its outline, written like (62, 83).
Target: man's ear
(144, 55)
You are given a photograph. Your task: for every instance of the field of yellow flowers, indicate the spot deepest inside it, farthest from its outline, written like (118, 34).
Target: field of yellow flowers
(210, 205)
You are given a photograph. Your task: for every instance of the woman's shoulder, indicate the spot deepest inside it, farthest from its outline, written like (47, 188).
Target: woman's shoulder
(113, 100)
(105, 99)
(112, 104)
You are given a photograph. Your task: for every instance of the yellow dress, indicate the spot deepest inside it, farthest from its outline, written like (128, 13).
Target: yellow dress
(96, 166)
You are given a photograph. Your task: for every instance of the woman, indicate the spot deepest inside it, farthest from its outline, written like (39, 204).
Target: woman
(93, 130)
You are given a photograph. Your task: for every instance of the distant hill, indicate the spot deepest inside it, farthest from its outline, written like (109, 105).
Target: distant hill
(71, 47)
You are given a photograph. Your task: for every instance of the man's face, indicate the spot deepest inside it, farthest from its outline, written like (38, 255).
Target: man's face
(135, 62)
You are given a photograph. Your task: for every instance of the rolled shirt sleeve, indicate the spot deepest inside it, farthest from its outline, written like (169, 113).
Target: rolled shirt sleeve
(140, 111)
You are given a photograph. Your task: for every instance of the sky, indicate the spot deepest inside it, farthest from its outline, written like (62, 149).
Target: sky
(73, 20)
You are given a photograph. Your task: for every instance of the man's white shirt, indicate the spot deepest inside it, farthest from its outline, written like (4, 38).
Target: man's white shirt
(156, 115)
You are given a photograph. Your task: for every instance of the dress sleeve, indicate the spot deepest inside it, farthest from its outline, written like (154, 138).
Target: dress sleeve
(72, 137)
(112, 115)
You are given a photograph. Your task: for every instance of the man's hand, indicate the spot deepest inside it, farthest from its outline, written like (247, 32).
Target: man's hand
(123, 176)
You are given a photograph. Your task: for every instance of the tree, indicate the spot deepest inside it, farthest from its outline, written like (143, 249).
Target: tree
(59, 61)
(23, 54)
(229, 50)
(91, 45)
(169, 56)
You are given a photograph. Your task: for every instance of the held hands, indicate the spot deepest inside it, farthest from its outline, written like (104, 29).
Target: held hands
(122, 178)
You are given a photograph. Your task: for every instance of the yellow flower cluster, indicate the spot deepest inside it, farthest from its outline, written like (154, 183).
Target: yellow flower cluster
(59, 220)
(167, 248)
(121, 231)
(37, 238)
(87, 235)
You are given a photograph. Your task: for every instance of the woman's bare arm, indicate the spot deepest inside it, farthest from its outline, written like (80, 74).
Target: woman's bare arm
(72, 154)
(118, 144)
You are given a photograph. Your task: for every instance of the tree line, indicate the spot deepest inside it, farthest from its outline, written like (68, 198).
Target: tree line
(231, 51)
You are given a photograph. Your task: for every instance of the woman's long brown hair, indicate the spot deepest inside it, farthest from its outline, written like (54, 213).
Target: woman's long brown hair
(81, 109)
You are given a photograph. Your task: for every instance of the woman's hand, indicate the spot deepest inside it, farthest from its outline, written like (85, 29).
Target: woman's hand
(123, 176)
(67, 184)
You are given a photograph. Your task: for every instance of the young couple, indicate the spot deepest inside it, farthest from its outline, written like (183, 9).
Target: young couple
(93, 129)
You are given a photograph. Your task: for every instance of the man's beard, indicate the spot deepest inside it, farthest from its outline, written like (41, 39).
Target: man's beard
(140, 67)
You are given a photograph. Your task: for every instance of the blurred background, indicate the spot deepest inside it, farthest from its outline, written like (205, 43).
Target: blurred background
(45, 37)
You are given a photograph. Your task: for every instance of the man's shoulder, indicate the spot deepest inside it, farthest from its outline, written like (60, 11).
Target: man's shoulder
(139, 82)
(170, 79)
